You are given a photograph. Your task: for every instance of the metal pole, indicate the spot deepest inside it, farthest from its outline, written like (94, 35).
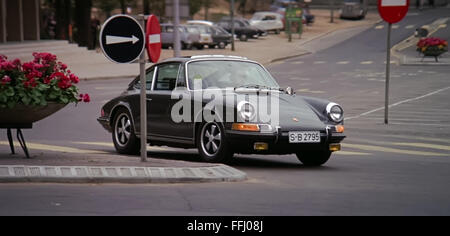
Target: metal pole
(332, 12)
(176, 33)
(388, 68)
(143, 100)
(232, 25)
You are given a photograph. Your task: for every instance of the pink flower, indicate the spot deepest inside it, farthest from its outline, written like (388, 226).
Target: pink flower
(85, 98)
(6, 79)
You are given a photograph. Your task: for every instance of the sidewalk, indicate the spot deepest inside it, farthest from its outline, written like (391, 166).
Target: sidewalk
(405, 51)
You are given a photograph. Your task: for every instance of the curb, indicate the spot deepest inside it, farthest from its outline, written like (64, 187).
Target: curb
(129, 175)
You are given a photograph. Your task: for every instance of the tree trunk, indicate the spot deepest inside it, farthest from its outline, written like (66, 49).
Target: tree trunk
(123, 6)
(82, 21)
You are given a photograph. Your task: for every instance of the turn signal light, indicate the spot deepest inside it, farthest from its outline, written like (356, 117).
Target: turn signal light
(334, 147)
(245, 127)
(340, 128)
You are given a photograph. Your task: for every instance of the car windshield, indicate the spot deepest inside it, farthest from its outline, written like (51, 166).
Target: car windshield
(228, 74)
(192, 29)
(220, 30)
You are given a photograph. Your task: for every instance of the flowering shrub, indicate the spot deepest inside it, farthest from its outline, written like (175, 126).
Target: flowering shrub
(37, 82)
(428, 45)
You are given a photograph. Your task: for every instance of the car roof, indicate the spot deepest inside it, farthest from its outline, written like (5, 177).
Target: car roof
(205, 57)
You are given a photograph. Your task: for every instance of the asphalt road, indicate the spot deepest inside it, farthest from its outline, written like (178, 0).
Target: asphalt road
(397, 169)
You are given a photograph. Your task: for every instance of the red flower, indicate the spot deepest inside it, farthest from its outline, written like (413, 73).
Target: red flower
(6, 79)
(84, 98)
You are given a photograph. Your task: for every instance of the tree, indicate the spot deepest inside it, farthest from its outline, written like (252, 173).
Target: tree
(107, 6)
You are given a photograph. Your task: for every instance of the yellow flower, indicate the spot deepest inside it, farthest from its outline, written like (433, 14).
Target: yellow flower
(424, 49)
(440, 46)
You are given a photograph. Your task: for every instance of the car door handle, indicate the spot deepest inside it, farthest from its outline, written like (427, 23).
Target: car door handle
(149, 99)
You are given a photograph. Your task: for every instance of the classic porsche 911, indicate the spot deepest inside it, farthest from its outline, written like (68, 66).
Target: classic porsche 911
(224, 105)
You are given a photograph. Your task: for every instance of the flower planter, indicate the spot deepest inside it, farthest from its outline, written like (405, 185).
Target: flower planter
(22, 114)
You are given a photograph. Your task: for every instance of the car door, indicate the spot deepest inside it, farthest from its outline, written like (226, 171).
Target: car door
(160, 124)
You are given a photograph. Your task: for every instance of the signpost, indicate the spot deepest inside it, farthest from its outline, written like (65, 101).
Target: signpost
(123, 40)
(392, 11)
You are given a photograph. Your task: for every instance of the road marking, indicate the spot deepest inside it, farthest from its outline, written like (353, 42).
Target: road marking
(395, 26)
(297, 62)
(390, 150)
(319, 62)
(409, 26)
(378, 27)
(352, 153)
(366, 62)
(424, 145)
(399, 103)
(111, 145)
(416, 138)
(309, 91)
(342, 62)
(44, 147)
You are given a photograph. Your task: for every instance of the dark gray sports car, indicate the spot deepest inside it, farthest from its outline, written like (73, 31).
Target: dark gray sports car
(223, 105)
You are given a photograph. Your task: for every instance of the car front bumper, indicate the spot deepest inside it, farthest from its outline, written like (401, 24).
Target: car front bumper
(104, 121)
(278, 143)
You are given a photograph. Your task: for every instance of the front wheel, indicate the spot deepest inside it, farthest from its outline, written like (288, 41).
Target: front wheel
(124, 138)
(314, 158)
(211, 143)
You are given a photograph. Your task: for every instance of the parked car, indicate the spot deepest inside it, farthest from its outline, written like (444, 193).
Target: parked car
(268, 21)
(241, 30)
(309, 127)
(205, 34)
(188, 39)
(220, 37)
(354, 9)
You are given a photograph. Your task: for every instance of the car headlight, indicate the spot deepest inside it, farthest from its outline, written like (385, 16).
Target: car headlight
(335, 112)
(246, 111)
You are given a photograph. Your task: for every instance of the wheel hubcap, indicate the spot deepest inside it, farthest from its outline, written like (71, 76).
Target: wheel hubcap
(123, 130)
(211, 139)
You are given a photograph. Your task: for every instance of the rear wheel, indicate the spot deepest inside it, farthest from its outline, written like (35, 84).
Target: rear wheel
(211, 143)
(314, 158)
(222, 45)
(243, 38)
(124, 138)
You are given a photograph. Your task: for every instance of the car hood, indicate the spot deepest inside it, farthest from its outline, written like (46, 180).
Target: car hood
(295, 113)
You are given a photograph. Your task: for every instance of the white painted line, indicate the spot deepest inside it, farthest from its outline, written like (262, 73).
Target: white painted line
(395, 26)
(399, 103)
(409, 26)
(366, 62)
(297, 62)
(378, 27)
(319, 62)
(393, 3)
(342, 62)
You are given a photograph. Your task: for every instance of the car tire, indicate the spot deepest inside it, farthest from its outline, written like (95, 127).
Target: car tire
(211, 143)
(277, 31)
(314, 158)
(243, 38)
(222, 45)
(124, 137)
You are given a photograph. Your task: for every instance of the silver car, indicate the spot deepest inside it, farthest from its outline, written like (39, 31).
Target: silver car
(354, 9)
(268, 21)
(188, 38)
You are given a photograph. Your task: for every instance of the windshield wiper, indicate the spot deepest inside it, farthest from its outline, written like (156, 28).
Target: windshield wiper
(256, 86)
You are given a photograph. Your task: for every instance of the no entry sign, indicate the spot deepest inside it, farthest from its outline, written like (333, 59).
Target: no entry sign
(122, 39)
(393, 11)
(153, 35)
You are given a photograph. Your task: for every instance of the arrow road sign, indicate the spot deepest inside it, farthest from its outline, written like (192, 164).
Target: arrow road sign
(122, 39)
(118, 39)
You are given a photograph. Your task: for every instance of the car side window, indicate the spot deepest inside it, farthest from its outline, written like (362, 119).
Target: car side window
(148, 79)
(166, 77)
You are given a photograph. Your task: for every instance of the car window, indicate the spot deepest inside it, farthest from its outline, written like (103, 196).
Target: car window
(166, 77)
(181, 80)
(148, 79)
(227, 74)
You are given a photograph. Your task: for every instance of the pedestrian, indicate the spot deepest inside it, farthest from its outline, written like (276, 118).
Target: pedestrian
(95, 25)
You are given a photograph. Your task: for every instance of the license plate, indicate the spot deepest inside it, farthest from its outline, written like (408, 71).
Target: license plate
(304, 137)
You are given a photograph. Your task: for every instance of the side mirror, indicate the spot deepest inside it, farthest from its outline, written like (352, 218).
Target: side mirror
(290, 91)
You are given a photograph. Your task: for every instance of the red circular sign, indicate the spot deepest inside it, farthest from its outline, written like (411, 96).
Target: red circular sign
(153, 36)
(393, 11)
